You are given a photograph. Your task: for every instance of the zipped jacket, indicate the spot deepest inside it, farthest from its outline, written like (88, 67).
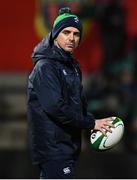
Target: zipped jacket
(57, 108)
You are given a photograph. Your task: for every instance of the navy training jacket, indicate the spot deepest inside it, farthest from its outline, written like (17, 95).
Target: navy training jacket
(57, 109)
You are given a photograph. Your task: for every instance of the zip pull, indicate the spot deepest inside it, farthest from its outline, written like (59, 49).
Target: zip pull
(76, 71)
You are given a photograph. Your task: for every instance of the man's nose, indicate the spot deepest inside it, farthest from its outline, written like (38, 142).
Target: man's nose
(71, 37)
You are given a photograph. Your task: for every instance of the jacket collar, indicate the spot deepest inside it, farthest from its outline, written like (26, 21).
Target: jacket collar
(61, 55)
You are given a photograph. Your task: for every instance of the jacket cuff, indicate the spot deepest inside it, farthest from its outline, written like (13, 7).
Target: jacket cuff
(89, 121)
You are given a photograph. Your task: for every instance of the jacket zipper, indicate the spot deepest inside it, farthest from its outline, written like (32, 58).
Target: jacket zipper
(75, 70)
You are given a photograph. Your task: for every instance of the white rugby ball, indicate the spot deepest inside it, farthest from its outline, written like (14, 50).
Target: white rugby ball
(100, 142)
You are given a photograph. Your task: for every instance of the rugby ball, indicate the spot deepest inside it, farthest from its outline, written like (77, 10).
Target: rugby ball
(100, 142)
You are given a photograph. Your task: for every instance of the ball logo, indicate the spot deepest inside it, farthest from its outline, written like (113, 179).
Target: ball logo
(93, 136)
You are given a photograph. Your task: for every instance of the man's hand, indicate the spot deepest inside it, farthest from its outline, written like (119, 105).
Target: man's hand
(104, 125)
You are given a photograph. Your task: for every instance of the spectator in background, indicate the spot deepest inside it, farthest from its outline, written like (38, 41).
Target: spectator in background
(57, 110)
(111, 19)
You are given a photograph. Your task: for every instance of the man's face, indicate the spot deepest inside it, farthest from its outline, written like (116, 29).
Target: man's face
(68, 39)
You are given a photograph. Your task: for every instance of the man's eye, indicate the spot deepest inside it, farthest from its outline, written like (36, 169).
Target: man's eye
(66, 32)
(77, 34)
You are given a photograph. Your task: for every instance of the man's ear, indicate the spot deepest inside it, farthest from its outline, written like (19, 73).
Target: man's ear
(55, 42)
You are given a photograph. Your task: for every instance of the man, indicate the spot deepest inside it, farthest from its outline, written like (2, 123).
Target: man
(57, 109)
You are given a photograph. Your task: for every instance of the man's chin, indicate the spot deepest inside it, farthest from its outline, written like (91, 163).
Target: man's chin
(70, 50)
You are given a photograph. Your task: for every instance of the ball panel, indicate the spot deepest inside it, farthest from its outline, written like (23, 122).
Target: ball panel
(102, 146)
(115, 136)
(116, 119)
(96, 140)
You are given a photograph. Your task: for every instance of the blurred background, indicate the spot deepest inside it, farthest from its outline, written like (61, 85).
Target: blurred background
(108, 58)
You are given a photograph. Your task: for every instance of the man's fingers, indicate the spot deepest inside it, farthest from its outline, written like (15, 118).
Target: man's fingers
(109, 123)
(108, 129)
(103, 131)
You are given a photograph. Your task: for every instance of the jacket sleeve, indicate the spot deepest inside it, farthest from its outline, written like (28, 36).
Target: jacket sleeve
(47, 86)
